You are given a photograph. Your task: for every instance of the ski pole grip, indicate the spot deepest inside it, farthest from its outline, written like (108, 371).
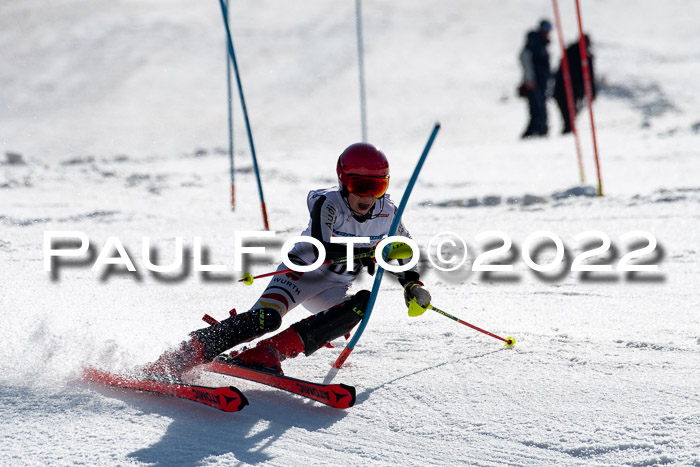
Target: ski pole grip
(400, 250)
(414, 309)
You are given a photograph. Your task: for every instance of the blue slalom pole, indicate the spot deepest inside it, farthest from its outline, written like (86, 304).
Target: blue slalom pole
(224, 12)
(380, 271)
(230, 120)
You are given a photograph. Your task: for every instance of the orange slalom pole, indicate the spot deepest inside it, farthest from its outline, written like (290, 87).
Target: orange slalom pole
(566, 74)
(266, 223)
(589, 93)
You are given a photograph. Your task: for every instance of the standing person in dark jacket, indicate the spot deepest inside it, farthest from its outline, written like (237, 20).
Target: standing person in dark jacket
(536, 73)
(573, 53)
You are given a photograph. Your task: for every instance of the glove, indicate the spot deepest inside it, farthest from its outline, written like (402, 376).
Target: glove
(367, 261)
(414, 289)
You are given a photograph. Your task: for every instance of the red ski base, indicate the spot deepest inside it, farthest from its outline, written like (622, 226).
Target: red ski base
(226, 398)
(340, 396)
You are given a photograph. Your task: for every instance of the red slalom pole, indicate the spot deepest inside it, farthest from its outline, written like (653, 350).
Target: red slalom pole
(589, 92)
(566, 74)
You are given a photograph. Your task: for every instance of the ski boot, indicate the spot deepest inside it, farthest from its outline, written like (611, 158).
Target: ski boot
(172, 364)
(205, 344)
(269, 353)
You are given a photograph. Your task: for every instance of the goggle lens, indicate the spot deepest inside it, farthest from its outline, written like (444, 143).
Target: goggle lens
(368, 186)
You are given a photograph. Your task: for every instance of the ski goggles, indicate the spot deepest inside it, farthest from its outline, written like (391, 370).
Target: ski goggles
(362, 185)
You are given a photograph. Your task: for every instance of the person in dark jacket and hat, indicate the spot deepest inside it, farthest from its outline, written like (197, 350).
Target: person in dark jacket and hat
(536, 73)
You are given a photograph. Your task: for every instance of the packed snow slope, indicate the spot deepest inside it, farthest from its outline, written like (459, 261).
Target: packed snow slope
(113, 122)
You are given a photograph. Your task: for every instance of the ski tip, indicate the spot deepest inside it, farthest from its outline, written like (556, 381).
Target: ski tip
(351, 391)
(243, 401)
(87, 373)
(95, 375)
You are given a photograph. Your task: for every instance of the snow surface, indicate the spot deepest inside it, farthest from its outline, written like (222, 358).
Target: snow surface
(113, 123)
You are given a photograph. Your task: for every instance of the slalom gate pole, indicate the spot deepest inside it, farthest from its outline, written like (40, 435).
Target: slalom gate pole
(589, 92)
(380, 271)
(361, 68)
(509, 341)
(224, 12)
(566, 74)
(230, 118)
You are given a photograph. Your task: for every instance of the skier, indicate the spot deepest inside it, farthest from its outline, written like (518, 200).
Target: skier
(358, 207)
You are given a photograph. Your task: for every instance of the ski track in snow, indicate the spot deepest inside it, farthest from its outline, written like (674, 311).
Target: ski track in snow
(114, 126)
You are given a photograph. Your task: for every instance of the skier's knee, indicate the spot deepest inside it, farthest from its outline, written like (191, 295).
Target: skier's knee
(238, 329)
(361, 299)
(317, 330)
(269, 319)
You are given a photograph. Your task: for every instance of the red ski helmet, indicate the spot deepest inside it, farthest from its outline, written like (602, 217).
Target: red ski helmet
(363, 170)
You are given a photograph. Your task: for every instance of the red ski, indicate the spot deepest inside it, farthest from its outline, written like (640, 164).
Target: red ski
(226, 398)
(340, 396)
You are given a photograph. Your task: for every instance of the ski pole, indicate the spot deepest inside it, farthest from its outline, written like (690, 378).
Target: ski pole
(399, 250)
(414, 309)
